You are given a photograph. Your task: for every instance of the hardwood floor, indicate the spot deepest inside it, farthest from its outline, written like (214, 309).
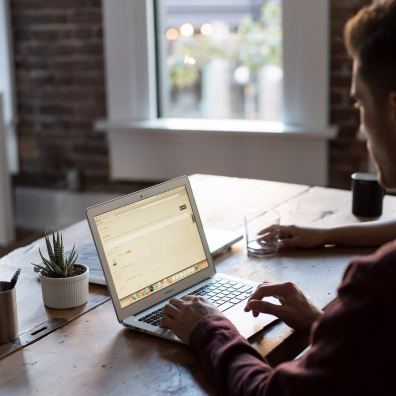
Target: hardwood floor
(23, 237)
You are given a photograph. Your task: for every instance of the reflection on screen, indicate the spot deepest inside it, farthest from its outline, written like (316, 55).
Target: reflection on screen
(151, 244)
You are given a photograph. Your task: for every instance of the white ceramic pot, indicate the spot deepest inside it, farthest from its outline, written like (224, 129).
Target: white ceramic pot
(63, 293)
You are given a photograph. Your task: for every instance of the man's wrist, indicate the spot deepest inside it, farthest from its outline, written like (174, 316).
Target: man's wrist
(328, 236)
(207, 327)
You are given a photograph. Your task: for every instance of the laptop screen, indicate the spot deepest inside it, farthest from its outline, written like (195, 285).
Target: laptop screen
(151, 244)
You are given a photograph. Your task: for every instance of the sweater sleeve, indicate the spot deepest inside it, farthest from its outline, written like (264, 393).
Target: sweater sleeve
(228, 359)
(236, 368)
(352, 348)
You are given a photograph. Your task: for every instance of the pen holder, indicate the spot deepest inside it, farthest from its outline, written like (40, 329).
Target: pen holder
(8, 313)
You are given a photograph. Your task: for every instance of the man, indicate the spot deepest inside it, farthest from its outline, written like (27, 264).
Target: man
(353, 343)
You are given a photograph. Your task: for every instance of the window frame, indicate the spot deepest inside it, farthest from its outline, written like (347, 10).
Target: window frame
(141, 144)
(130, 38)
(7, 88)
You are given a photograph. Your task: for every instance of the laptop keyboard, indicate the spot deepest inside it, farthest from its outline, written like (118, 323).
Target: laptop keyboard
(223, 293)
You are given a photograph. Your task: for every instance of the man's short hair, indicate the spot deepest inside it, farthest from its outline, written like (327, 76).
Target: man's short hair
(370, 37)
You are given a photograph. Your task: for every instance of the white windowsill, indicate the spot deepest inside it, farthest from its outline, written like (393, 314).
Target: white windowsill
(165, 148)
(218, 127)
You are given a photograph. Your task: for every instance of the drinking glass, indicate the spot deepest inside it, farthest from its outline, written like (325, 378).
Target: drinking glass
(262, 232)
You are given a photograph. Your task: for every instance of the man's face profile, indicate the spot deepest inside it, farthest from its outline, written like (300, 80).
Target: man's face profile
(378, 121)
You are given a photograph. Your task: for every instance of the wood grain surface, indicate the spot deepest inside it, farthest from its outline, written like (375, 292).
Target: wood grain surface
(31, 310)
(93, 354)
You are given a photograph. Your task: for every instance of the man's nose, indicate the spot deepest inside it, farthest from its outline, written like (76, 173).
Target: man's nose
(362, 134)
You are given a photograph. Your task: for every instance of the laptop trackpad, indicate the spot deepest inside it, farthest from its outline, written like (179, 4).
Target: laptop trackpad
(246, 323)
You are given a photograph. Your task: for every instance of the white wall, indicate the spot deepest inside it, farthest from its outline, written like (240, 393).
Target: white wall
(160, 154)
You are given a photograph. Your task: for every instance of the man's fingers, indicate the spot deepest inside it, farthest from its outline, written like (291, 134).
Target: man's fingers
(287, 243)
(189, 297)
(172, 311)
(177, 302)
(269, 229)
(286, 234)
(168, 322)
(264, 290)
(264, 307)
(287, 231)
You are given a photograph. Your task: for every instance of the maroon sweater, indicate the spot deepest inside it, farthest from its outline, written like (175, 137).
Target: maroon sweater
(353, 345)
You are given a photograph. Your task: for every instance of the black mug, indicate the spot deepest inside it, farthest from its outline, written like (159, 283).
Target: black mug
(367, 195)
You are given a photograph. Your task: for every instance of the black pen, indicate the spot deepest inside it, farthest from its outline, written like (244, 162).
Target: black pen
(14, 278)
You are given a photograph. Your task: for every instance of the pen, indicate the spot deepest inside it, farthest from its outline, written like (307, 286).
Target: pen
(14, 278)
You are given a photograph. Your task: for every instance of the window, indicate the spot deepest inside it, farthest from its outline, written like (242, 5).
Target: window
(131, 59)
(146, 145)
(220, 59)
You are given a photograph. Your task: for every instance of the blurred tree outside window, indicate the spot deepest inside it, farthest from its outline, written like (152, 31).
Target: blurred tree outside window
(221, 59)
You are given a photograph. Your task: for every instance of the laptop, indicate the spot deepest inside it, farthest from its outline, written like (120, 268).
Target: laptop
(219, 240)
(152, 247)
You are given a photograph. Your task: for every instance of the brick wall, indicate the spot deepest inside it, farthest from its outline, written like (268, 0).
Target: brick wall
(59, 72)
(347, 153)
(59, 66)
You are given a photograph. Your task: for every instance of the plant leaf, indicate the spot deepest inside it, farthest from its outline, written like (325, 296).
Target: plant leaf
(62, 251)
(52, 267)
(39, 268)
(50, 251)
(57, 265)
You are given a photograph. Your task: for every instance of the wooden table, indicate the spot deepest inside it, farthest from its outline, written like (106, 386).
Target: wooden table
(89, 353)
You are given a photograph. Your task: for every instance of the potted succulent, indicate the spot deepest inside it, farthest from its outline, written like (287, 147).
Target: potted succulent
(64, 282)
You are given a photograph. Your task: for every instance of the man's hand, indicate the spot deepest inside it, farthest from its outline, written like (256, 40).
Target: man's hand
(296, 236)
(295, 309)
(182, 315)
